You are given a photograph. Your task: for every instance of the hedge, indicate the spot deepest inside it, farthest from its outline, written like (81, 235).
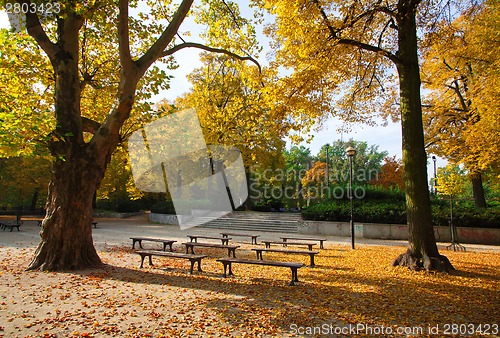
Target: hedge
(393, 212)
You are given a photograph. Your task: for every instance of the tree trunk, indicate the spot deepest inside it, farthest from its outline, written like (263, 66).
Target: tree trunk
(478, 190)
(422, 251)
(66, 235)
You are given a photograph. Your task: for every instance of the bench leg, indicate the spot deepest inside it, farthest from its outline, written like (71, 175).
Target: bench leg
(321, 245)
(229, 252)
(268, 245)
(199, 265)
(142, 260)
(192, 265)
(312, 260)
(295, 277)
(254, 239)
(310, 247)
(284, 242)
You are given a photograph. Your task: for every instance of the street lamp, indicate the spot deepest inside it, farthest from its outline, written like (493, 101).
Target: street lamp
(327, 178)
(435, 175)
(350, 151)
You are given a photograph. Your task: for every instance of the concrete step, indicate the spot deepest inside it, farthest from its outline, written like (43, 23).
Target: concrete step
(254, 221)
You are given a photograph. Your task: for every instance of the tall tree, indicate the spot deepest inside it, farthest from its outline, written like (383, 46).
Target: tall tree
(453, 72)
(327, 43)
(80, 160)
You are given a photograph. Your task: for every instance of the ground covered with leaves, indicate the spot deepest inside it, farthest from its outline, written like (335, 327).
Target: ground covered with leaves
(348, 293)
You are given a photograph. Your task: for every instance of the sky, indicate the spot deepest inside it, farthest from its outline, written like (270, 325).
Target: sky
(387, 138)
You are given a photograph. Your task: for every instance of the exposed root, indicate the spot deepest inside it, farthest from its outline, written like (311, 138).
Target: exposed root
(414, 262)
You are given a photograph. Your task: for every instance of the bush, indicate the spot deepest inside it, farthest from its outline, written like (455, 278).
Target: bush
(364, 211)
(394, 212)
(164, 207)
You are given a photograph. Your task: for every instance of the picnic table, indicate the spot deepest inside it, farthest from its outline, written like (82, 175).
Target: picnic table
(284, 243)
(165, 242)
(194, 238)
(253, 237)
(192, 258)
(230, 248)
(321, 240)
(296, 252)
(11, 226)
(227, 262)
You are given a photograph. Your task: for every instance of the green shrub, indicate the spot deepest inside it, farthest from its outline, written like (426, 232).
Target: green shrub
(394, 212)
(163, 207)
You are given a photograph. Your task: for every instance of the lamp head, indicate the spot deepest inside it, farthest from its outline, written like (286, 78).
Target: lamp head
(350, 151)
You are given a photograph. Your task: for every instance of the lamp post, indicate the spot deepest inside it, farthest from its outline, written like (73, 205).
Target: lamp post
(350, 151)
(327, 177)
(435, 175)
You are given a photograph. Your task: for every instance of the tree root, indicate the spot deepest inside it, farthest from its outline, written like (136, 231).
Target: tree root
(415, 262)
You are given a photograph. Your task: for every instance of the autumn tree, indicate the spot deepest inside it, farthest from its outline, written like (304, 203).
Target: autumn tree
(391, 174)
(82, 146)
(454, 72)
(346, 48)
(227, 97)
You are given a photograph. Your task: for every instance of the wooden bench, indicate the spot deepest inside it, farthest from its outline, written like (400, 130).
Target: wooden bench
(194, 238)
(296, 252)
(321, 240)
(192, 258)
(268, 244)
(227, 234)
(160, 240)
(227, 262)
(230, 248)
(11, 226)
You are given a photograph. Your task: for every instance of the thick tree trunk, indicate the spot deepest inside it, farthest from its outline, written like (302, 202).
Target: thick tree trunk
(66, 235)
(422, 251)
(478, 190)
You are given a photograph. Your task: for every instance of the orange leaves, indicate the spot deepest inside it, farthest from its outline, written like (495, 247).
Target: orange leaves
(346, 287)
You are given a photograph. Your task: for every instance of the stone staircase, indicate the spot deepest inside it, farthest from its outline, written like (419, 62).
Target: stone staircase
(257, 221)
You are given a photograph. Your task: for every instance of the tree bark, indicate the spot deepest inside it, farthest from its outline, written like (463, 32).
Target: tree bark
(422, 251)
(478, 190)
(66, 235)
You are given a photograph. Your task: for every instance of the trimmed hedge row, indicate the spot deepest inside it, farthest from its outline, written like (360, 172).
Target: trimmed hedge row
(392, 212)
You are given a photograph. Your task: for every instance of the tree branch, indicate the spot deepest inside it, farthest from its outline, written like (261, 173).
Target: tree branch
(156, 50)
(36, 31)
(90, 126)
(123, 34)
(210, 49)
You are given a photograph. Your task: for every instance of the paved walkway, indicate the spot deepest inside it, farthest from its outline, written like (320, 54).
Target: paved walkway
(117, 232)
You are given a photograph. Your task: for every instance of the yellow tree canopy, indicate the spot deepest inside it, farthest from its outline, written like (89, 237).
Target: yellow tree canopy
(461, 69)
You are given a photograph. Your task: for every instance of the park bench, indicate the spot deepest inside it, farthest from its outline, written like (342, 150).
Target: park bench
(194, 238)
(160, 240)
(192, 258)
(309, 245)
(296, 252)
(321, 240)
(230, 248)
(11, 226)
(227, 262)
(253, 237)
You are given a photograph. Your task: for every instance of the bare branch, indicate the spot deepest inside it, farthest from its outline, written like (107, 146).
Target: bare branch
(210, 49)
